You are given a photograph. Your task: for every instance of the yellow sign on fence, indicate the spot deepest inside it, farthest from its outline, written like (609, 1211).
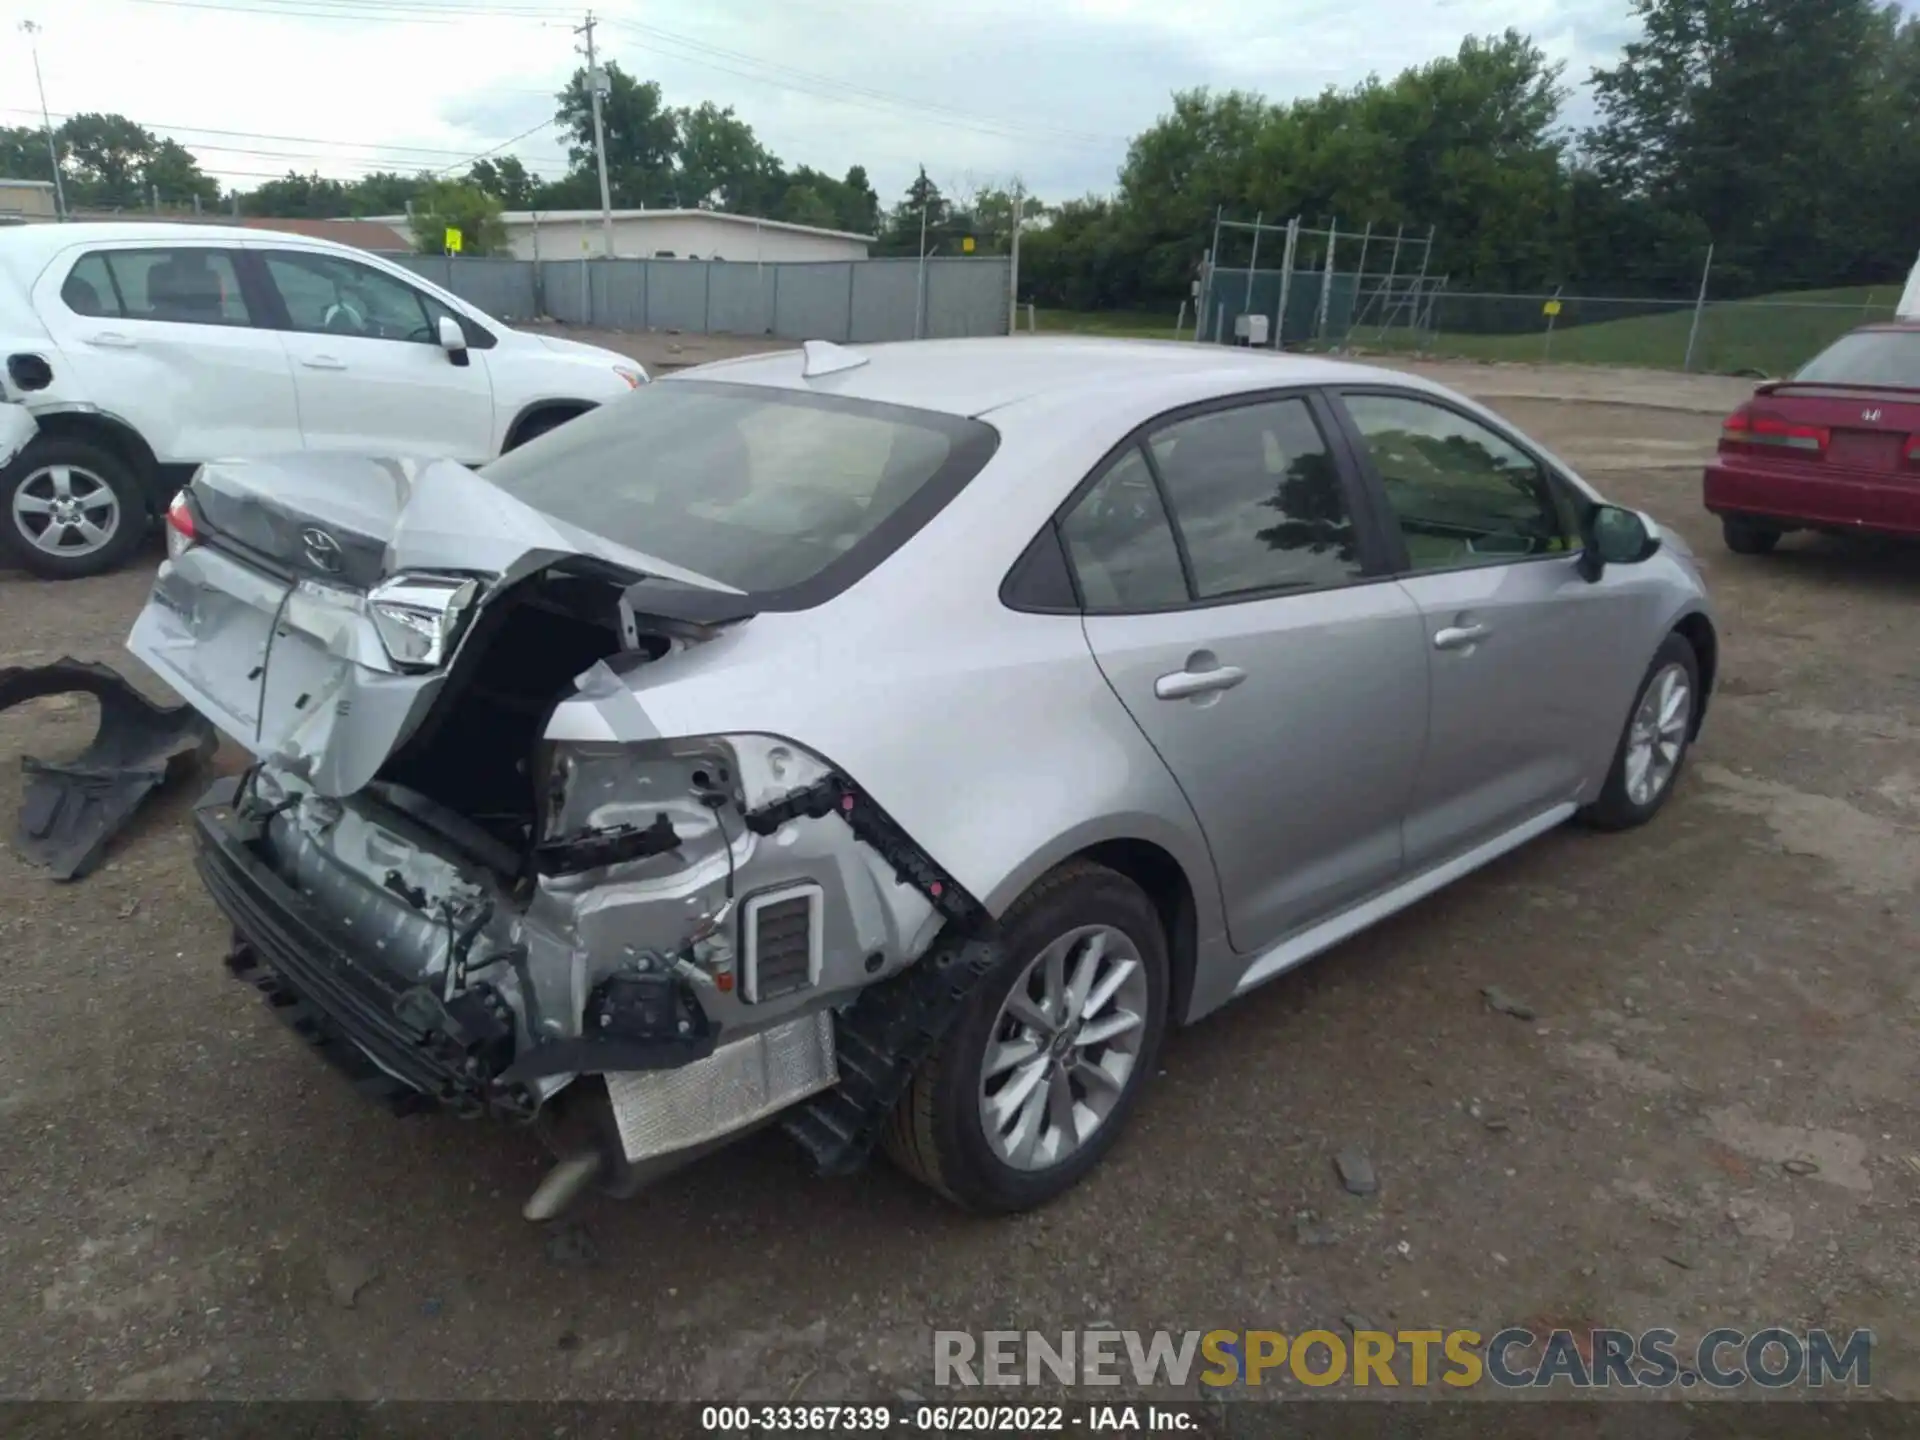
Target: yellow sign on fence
(453, 241)
(1552, 307)
(966, 244)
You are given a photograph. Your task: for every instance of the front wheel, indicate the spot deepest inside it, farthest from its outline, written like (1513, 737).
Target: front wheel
(1654, 746)
(69, 508)
(1034, 1082)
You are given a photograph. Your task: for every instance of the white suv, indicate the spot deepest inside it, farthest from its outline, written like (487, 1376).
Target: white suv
(144, 350)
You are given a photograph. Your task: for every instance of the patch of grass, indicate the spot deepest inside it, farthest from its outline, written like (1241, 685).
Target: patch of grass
(1774, 334)
(1134, 324)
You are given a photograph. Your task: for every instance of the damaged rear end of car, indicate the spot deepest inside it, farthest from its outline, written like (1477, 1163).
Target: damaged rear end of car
(472, 869)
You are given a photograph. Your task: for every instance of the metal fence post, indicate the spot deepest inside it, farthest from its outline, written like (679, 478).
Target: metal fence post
(1212, 263)
(1553, 314)
(1253, 264)
(1699, 304)
(1286, 282)
(1326, 281)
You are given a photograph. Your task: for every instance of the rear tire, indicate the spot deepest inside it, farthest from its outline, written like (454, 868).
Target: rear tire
(945, 1132)
(1653, 747)
(1745, 536)
(70, 508)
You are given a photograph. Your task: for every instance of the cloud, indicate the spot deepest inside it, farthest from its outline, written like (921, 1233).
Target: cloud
(980, 93)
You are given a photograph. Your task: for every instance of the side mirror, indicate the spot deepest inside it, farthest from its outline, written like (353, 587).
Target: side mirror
(453, 340)
(1617, 536)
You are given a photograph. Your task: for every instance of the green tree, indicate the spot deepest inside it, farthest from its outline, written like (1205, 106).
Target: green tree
(1757, 119)
(296, 196)
(105, 155)
(721, 164)
(386, 192)
(23, 152)
(171, 172)
(454, 205)
(858, 206)
(506, 179)
(641, 136)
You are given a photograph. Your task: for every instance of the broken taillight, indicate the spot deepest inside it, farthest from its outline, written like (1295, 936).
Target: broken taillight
(181, 534)
(1743, 430)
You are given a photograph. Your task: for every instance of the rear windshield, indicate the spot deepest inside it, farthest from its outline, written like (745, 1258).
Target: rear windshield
(1867, 357)
(765, 490)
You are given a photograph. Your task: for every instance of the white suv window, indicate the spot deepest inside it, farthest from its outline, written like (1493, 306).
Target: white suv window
(327, 295)
(186, 286)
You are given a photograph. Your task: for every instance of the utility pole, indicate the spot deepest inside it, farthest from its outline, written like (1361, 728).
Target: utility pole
(595, 82)
(1013, 270)
(46, 121)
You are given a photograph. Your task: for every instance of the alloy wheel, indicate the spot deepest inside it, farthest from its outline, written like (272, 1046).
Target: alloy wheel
(66, 510)
(1658, 734)
(1064, 1048)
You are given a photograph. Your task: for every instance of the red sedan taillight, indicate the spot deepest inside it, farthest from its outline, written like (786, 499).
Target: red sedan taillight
(1743, 430)
(181, 533)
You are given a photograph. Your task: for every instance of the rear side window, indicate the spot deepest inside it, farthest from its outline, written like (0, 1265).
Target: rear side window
(1120, 544)
(1258, 500)
(761, 489)
(187, 286)
(1867, 357)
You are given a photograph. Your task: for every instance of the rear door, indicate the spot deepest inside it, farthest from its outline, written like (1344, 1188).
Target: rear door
(1531, 663)
(1240, 610)
(166, 338)
(367, 362)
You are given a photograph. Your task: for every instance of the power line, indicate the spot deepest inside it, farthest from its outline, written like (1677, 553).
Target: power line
(257, 135)
(495, 150)
(670, 43)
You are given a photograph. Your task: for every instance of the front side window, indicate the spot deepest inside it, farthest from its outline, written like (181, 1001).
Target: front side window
(1258, 500)
(759, 489)
(328, 295)
(1462, 495)
(186, 286)
(1119, 542)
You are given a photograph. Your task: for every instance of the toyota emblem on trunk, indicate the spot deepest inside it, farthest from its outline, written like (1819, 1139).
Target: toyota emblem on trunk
(323, 551)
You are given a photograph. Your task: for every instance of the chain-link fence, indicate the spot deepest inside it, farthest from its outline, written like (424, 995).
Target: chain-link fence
(1367, 290)
(1764, 337)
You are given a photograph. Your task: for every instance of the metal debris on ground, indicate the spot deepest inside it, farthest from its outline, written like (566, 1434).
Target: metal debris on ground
(1498, 999)
(70, 809)
(1356, 1172)
(1800, 1167)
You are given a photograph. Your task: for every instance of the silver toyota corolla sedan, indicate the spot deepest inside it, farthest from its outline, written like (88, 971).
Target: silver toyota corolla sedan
(890, 743)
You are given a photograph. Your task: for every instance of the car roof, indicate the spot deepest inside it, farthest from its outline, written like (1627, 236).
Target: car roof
(973, 377)
(26, 250)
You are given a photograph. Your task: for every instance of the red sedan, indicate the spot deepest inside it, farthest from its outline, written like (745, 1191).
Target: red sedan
(1835, 448)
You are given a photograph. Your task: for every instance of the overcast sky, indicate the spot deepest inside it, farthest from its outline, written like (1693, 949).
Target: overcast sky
(980, 92)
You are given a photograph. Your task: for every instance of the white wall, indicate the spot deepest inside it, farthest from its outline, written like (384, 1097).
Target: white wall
(640, 237)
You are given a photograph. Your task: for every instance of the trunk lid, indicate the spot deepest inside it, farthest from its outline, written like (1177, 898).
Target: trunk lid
(1841, 426)
(262, 621)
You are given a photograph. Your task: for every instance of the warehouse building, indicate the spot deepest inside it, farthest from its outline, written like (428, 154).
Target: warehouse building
(668, 234)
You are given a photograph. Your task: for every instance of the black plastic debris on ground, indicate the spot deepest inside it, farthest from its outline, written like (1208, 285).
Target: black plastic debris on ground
(70, 810)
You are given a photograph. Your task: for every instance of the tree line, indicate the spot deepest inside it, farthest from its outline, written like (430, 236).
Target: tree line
(1781, 132)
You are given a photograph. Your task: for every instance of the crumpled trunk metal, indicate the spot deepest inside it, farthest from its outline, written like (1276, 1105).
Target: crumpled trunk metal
(69, 810)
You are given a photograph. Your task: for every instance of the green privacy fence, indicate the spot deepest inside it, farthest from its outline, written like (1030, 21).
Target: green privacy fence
(1258, 292)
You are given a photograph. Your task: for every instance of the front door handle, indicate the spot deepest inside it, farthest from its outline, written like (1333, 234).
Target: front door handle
(111, 340)
(1185, 684)
(1459, 637)
(323, 362)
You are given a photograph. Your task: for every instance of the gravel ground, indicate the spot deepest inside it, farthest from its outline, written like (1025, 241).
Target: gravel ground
(196, 1207)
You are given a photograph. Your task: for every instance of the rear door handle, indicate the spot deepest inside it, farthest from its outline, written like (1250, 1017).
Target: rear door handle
(323, 362)
(111, 340)
(1459, 637)
(1185, 684)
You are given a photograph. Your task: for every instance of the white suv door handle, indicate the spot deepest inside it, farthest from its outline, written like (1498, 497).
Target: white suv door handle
(1185, 684)
(111, 340)
(1459, 637)
(323, 362)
